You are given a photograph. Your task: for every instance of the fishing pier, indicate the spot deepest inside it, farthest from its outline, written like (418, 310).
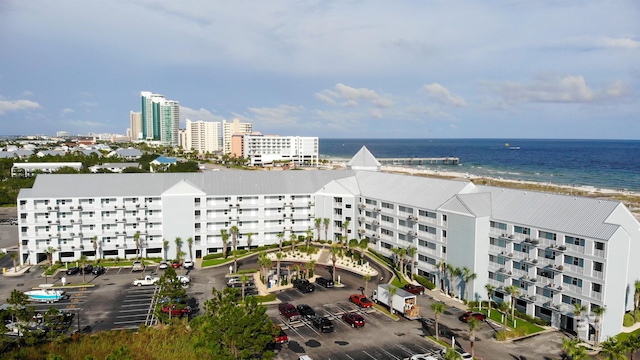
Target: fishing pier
(420, 161)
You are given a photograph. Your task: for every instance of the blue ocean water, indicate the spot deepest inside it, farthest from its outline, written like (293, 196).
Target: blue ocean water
(610, 164)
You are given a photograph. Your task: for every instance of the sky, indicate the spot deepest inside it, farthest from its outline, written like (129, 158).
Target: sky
(332, 69)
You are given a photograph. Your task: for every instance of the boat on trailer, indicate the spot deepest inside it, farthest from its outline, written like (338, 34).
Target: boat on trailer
(46, 294)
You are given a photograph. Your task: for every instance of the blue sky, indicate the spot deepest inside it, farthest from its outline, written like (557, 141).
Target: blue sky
(359, 69)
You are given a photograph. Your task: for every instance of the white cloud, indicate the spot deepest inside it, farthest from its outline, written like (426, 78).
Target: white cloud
(283, 115)
(600, 42)
(27, 93)
(443, 95)
(552, 88)
(66, 111)
(345, 95)
(201, 114)
(16, 105)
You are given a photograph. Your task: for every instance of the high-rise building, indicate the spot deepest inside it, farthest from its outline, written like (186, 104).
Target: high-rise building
(232, 128)
(265, 149)
(160, 118)
(135, 125)
(203, 136)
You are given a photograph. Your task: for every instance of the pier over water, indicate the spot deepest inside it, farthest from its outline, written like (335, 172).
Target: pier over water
(420, 161)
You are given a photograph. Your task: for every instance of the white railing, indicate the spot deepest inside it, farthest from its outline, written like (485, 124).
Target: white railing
(598, 274)
(596, 295)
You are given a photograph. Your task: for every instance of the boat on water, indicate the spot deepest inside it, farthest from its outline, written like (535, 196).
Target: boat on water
(45, 294)
(509, 147)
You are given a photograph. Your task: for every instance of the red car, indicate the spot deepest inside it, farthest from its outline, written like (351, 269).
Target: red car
(175, 311)
(289, 311)
(354, 319)
(470, 314)
(281, 338)
(360, 300)
(414, 289)
(176, 265)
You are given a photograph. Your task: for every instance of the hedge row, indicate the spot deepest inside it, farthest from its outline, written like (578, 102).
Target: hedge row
(424, 282)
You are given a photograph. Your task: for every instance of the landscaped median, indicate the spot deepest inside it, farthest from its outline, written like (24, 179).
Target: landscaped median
(515, 328)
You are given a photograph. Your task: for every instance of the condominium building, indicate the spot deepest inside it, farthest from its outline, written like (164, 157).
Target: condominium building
(265, 149)
(160, 118)
(557, 250)
(203, 136)
(135, 125)
(231, 128)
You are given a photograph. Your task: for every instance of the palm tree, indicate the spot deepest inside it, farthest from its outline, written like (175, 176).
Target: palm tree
(452, 354)
(49, 252)
(249, 235)
(412, 252)
(334, 250)
(14, 256)
(265, 263)
(326, 222)
(318, 223)
(598, 312)
(363, 245)
(234, 237)
(503, 307)
(296, 270)
(454, 272)
(352, 244)
(468, 276)
(280, 238)
(83, 260)
(243, 279)
(614, 349)
(308, 238)
(94, 240)
(165, 246)
(312, 267)
(392, 292)
(293, 237)
(178, 245)
(490, 290)
(514, 291)
(578, 309)
(190, 244)
(278, 257)
(366, 278)
(569, 346)
(636, 298)
(345, 226)
(473, 325)
(136, 239)
(225, 239)
(438, 308)
(632, 344)
(442, 265)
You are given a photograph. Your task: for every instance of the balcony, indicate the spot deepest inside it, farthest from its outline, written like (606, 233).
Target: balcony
(360, 218)
(529, 298)
(506, 237)
(596, 295)
(361, 206)
(412, 218)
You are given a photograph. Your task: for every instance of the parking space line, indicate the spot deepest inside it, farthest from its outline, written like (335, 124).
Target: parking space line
(390, 354)
(371, 356)
(133, 305)
(130, 316)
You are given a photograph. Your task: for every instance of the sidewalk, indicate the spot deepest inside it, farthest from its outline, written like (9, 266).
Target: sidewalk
(21, 270)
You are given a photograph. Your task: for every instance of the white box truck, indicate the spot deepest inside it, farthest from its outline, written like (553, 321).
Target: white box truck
(403, 302)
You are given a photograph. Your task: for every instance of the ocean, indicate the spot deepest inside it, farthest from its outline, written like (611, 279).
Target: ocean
(608, 164)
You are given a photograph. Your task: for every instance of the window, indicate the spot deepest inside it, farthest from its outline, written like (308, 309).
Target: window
(546, 235)
(597, 266)
(573, 261)
(387, 206)
(196, 201)
(386, 218)
(498, 225)
(599, 245)
(444, 234)
(573, 241)
(569, 300)
(444, 249)
(522, 230)
(572, 281)
(337, 200)
(386, 232)
(444, 218)
(596, 287)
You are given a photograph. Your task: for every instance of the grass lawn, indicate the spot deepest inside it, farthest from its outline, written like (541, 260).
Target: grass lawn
(212, 262)
(50, 271)
(521, 324)
(624, 336)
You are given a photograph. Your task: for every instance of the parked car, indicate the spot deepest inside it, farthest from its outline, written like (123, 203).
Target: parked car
(422, 357)
(414, 289)
(176, 265)
(303, 285)
(306, 311)
(322, 323)
(73, 270)
(289, 311)
(282, 337)
(361, 300)
(188, 264)
(324, 282)
(176, 310)
(470, 314)
(87, 269)
(137, 266)
(163, 265)
(354, 319)
(98, 270)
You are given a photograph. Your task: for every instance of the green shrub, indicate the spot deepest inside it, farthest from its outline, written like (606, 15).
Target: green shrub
(424, 282)
(213, 256)
(628, 320)
(503, 335)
